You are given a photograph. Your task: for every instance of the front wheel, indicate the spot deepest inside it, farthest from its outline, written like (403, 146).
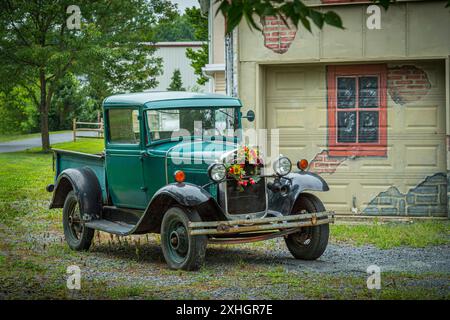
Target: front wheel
(310, 242)
(181, 250)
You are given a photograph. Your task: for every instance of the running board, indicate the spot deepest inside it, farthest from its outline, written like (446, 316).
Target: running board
(115, 227)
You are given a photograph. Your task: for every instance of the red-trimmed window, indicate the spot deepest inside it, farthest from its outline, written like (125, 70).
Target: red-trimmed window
(357, 115)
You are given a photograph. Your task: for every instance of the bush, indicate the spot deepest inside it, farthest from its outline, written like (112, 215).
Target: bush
(18, 113)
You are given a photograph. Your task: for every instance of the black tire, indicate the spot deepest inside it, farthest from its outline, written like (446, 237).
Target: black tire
(78, 237)
(181, 250)
(310, 242)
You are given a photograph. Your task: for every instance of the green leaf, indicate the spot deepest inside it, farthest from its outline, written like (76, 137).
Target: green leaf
(305, 23)
(333, 19)
(317, 18)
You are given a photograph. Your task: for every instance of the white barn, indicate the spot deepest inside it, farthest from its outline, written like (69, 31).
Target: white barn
(174, 57)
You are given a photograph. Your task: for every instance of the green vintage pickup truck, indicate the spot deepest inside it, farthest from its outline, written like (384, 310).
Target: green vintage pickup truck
(174, 164)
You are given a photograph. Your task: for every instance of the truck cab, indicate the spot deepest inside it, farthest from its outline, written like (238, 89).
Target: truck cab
(174, 163)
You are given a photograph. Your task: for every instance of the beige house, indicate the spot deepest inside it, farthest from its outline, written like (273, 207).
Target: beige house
(368, 106)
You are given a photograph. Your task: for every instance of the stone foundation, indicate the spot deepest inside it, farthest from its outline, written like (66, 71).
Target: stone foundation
(429, 198)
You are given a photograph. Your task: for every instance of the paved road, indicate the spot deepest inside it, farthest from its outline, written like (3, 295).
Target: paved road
(20, 145)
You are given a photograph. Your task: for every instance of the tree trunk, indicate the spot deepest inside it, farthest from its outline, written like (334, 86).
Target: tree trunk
(43, 109)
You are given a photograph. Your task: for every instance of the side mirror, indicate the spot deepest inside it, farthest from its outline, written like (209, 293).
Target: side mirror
(250, 116)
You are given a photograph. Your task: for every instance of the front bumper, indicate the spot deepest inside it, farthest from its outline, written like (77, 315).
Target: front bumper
(274, 224)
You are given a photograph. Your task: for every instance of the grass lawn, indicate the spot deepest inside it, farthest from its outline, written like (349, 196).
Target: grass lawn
(24, 175)
(15, 137)
(87, 145)
(389, 235)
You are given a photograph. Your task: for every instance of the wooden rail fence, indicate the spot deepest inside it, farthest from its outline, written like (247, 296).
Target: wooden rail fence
(82, 126)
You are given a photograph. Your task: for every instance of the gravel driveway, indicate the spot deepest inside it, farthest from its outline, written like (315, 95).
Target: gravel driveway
(337, 258)
(345, 259)
(264, 270)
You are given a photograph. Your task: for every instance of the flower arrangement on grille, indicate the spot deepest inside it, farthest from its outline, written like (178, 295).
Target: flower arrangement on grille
(245, 167)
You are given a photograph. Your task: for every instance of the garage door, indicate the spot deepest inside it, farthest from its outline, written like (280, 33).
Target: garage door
(405, 174)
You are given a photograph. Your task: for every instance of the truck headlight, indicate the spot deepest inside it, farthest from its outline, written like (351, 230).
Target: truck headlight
(282, 166)
(217, 172)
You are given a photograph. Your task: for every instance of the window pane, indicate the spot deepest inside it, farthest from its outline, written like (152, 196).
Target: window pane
(166, 124)
(346, 126)
(368, 126)
(368, 92)
(123, 126)
(196, 120)
(346, 92)
(163, 123)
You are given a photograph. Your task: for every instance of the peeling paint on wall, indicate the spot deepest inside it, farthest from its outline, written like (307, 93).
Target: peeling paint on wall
(277, 36)
(428, 198)
(407, 83)
(323, 163)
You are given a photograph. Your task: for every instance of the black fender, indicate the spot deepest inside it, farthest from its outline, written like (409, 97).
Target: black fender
(296, 182)
(87, 189)
(187, 195)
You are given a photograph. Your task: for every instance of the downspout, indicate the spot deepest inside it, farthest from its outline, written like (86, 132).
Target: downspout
(235, 62)
(210, 45)
(229, 63)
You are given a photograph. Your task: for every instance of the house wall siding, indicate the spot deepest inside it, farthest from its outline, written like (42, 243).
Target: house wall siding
(413, 43)
(410, 29)
(295, 103)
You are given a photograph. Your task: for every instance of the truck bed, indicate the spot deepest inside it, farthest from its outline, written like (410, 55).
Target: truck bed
(64, 159)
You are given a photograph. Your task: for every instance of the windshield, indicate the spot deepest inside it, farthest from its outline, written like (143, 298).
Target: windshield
(186, 122)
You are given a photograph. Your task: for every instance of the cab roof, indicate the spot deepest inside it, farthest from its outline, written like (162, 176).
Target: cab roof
(171, 99)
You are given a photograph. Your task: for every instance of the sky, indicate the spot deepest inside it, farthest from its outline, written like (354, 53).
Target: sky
(183, 4)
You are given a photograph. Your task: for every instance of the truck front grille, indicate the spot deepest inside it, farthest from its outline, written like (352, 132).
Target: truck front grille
(251, 200)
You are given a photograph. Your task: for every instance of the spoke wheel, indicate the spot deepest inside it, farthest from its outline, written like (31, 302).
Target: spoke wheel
(303, 238)
(78, 237)
(178, 241)
(181, 250)
(310, 242)
(74, 219)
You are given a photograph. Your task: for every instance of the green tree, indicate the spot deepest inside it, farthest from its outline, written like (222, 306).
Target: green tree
(70, 101)
(111, 49)
(178, 29)
(199, 58)
(17, 112)
(176, 84)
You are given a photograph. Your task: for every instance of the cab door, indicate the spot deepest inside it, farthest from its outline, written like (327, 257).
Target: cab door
(124, 169)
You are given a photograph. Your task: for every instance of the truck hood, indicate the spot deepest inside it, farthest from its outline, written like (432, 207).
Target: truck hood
(194, 158)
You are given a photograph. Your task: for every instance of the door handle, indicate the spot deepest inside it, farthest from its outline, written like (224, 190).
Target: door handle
(143, 155)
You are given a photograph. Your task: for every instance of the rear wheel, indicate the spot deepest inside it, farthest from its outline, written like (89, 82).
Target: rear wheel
(181, 250)
(310, 242)
(78, 237)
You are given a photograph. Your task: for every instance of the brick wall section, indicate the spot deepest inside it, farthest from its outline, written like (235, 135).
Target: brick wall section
(407, 83)
(429, 198)
(323, 163)
(277, 36)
